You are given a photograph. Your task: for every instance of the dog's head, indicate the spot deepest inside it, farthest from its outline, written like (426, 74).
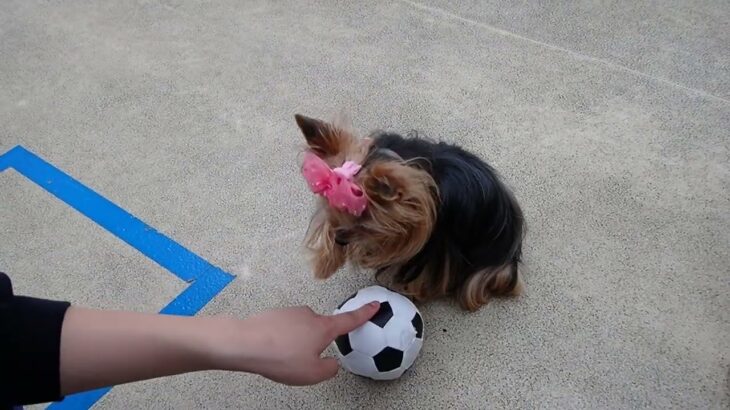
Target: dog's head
(400, 212)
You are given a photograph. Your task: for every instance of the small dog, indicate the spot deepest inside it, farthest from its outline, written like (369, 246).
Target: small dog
(431, 218)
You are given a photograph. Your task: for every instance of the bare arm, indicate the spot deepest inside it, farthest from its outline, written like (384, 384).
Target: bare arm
(102, 348)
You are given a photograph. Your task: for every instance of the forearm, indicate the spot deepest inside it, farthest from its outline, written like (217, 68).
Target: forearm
(103, 348)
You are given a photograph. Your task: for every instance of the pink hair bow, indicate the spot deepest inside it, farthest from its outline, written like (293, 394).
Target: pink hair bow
(335, 184)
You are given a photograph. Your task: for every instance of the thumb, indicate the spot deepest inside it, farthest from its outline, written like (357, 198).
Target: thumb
(345, 322)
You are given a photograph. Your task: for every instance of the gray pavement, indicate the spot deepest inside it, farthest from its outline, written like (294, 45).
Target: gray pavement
(611, 120)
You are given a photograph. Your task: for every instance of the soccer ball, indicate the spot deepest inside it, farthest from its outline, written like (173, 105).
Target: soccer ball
(387, 345)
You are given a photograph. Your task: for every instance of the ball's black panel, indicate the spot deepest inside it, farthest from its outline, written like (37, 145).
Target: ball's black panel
(388, 359)
(345, 301)
(343, 344)
(417, 322)
(384, 314)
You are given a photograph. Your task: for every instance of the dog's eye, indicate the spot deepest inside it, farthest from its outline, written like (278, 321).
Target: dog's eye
(342, 237)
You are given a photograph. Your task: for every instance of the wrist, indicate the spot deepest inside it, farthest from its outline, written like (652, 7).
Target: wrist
(224, 346)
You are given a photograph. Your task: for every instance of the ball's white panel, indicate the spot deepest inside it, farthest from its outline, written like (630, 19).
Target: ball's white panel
(411, 354)
(372, 293)
(351, 305)
(368, 339)
(399, 333)
(391, 375)
(360, 364)
(401, 305)
(345, 363)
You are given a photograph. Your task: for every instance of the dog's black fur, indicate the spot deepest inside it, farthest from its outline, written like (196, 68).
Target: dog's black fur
(479, 224)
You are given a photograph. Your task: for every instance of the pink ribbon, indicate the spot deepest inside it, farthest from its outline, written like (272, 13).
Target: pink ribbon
(335, 184)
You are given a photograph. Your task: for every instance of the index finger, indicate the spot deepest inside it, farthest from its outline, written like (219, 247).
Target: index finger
(345, 322)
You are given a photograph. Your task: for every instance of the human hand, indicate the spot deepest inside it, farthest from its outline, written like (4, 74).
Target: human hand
(285, 345)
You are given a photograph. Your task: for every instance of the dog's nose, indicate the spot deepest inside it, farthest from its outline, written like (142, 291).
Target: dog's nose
(342, 237)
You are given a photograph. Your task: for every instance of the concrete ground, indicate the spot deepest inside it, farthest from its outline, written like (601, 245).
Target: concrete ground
(611, 120)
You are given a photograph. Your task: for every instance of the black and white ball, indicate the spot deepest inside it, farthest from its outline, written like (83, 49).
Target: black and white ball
(388, 344)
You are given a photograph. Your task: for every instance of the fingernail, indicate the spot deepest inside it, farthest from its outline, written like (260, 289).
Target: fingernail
(374, 304)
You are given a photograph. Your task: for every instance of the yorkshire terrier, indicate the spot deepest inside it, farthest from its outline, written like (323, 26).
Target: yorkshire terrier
(429, 217)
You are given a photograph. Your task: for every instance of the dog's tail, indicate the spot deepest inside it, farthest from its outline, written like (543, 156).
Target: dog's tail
(504, 280)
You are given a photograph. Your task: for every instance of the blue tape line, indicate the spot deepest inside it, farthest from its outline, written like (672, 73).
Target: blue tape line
(80, 401)
(156, 246)
(206, 280)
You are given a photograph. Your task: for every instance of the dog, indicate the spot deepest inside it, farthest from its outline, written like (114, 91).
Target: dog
(432, 219)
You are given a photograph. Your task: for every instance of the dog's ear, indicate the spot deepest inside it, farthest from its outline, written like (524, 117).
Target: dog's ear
(322, 138)
(389, 181)
(312, 128)
(385, 182)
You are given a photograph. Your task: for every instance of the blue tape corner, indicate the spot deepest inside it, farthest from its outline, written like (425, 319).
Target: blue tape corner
(205, 280)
